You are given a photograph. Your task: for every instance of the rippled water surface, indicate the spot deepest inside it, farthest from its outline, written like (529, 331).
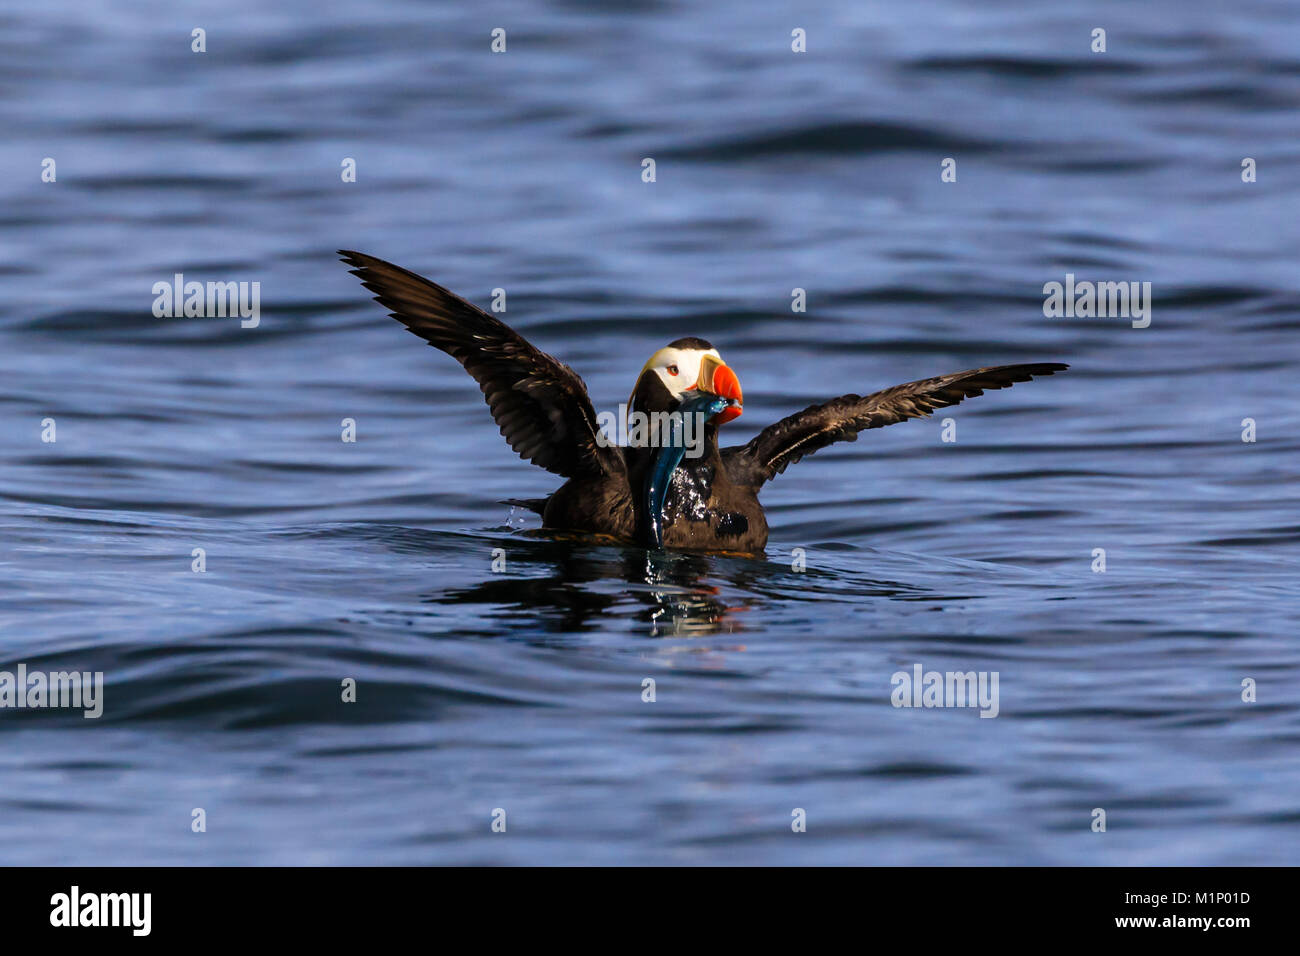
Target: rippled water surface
(522, 689)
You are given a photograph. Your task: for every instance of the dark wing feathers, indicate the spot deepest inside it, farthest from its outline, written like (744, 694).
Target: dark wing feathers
(784, 443)
(540, 404)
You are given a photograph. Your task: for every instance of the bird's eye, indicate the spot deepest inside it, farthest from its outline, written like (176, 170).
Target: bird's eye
(672, 370)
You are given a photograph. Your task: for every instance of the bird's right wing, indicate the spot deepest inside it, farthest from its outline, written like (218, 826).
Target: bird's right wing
(540, 404)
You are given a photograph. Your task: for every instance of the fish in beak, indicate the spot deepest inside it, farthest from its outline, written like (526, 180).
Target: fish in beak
(667, 458)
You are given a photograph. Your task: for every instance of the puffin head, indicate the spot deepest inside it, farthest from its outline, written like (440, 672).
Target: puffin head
(678, 372)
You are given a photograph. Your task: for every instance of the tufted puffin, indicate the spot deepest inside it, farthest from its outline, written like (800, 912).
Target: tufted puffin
(668, 488)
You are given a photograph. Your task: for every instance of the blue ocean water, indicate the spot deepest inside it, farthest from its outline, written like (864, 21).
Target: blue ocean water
(521, 690)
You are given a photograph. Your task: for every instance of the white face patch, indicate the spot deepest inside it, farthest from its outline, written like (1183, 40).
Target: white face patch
(678, 369)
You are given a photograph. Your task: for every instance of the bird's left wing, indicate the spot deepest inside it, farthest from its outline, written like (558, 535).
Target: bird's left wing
(540, 404)
(782, 444)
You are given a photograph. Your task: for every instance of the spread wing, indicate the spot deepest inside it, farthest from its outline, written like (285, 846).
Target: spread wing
(540, 404)
(782, 444)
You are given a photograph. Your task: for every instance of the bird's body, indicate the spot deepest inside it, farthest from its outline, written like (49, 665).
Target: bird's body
(704, 509)
(651, 492)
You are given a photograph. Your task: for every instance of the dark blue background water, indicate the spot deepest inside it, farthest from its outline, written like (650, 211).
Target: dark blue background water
(522, 689)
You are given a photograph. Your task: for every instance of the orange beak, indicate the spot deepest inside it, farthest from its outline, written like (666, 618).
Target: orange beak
(721, 380)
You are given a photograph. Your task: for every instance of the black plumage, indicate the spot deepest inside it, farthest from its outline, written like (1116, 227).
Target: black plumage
(544, 412)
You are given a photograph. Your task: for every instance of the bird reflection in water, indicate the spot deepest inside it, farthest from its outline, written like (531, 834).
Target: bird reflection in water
(562, 584)
(681, 604)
